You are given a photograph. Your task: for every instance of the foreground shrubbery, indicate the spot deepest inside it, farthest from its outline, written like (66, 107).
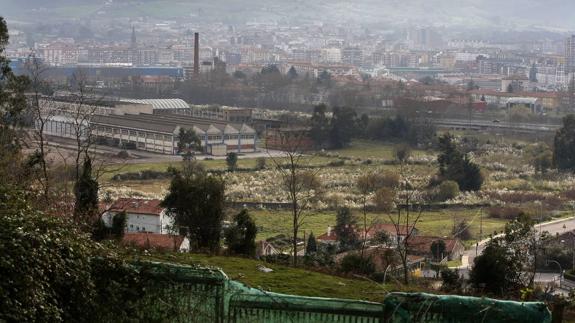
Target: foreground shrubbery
(53, 272)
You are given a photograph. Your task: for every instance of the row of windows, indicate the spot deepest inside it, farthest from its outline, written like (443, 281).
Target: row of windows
(138, 228)
(140, 134)
(231, 137)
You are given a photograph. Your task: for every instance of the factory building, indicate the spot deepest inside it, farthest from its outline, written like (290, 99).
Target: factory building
(155, 130)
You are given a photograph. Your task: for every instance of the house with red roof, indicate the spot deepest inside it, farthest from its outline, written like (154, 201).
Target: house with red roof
(421, 246)
(143, 215)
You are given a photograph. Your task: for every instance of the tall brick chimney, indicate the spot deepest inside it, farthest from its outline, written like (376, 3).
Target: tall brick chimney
(196, 54)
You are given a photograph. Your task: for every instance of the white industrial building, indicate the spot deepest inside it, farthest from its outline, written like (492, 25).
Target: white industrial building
(136, 124)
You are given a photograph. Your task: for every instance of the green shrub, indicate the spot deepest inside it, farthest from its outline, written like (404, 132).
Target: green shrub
(53, 272)
(260, 163)
(509, 213)
(447, 190)
(356, 264)
(336, 163)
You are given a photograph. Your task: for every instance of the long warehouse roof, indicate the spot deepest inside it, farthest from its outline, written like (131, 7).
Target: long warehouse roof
(161, 104)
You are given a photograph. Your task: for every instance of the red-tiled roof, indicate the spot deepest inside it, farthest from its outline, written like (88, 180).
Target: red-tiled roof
(153, 240)
(422, 244)
(328, 236)
(539, 95)
(138, 206)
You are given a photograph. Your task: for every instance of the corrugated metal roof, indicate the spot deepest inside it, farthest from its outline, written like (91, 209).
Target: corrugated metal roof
(161, 104)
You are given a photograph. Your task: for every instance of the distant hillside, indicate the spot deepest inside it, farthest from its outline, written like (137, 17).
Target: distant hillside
(472, 13)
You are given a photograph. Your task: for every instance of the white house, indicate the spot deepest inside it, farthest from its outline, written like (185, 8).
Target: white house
(142, 215)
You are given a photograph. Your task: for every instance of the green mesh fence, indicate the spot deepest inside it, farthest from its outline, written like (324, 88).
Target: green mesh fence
(403, 307)
(193, 294)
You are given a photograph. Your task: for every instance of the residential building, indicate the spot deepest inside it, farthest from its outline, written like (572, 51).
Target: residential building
(570, 54)
(330, 55)
(141, 215)
(421, 246)
(352, 56)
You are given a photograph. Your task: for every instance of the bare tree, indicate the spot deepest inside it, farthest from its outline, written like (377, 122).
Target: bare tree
(302, 184)
(405, 222)
(42, 110)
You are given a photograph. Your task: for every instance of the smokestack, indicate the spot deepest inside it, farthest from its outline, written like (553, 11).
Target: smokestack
(196, 54)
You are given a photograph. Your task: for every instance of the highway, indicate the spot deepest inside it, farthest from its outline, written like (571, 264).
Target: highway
(491, 125)
(556, 226)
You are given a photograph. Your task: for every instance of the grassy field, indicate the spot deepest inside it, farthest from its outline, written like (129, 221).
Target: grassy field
(214, 164)
(436, 223)
(284, 279)
(371, 149)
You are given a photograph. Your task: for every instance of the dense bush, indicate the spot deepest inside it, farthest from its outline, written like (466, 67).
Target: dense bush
(52, 272)
(240, 237)
(336, 163)
(399, 128)
(384, 199)
(447, 190)
(260, 163)
(142, 175)
(451, 280)
(461, 230)
(502, 212)
(356, 264)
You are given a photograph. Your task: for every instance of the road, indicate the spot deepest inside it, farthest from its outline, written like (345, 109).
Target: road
(502, 125)
(556, 226)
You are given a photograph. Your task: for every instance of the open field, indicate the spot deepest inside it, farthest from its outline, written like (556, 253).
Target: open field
(435, 223)
(284, 279)
(366, 149)
(509, 180)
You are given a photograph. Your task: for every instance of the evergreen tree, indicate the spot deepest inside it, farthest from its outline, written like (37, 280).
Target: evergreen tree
(457, 167)
(292, 73)
(86, 192)
(12, 104)
(506, 262)
(188, 141)
(319, 126)
(311, 246)
(240, 237)
(342, 127)
(324, 78)
(232, 161)
(119, 225)
(438, 249)
(345, 229)
(563, 152)
(196, 202)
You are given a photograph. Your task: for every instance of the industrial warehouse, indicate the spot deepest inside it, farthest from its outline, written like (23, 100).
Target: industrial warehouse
(151, 125)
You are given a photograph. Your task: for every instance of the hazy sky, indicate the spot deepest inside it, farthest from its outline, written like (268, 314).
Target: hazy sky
(541, 14)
